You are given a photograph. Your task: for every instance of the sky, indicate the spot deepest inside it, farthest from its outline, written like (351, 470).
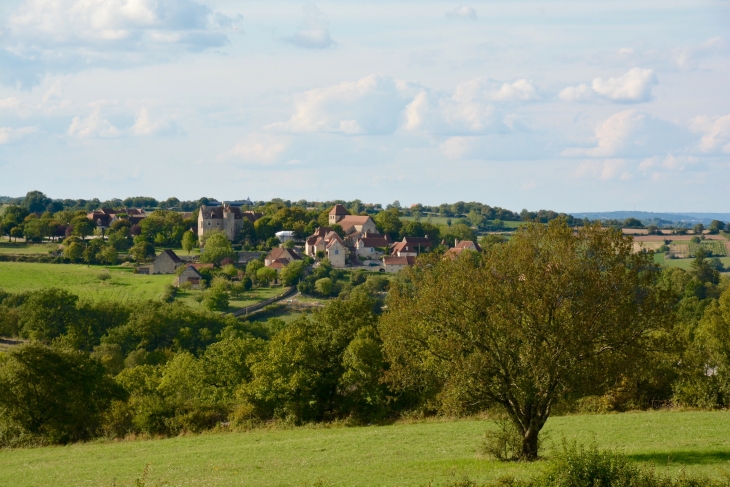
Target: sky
(564, 105)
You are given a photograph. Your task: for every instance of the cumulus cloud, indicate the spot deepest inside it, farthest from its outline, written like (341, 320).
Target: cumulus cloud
(371, 105)
(144, 125)
(462, 12)
(315, 33)
(603, 170)
(633, 87)
(65, 35)
(377, 104)
(8, 134)
(470, 110)
(716, 132)
(95, 125)
(632, 133)
(261, 148)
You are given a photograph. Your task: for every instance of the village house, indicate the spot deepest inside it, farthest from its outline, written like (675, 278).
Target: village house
(411, 246)
(165, 263)
(459, 247)
(104, 217)
(284, 256)
(370, 244)
(191, 275)
(328, 241)
(395, 264)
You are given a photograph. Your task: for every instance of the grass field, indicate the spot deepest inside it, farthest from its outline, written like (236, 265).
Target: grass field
(398, 455)
(81, 280)
(252, 297)
(26, 248)
(684, 263)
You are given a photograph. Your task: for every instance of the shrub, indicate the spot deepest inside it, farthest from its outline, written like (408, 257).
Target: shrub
(503, 443)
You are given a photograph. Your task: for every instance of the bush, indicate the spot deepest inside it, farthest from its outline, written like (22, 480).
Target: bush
(503, 443)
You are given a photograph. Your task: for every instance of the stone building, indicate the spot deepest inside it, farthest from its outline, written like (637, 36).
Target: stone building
(191, 275)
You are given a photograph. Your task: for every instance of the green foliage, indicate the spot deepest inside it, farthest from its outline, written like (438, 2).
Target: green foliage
(74, 251)
(291, 273)
(188, 241)
(216, 247)
(488, 321)
(302, 372)
(216, 298)
(265, 275)
(57, 394)
(324, 286)
(142, 250)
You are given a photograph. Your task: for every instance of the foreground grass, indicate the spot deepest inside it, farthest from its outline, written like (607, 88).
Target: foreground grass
(82, 280)
(397, 455)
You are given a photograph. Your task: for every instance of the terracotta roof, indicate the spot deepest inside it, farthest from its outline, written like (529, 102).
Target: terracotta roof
(393, 260)
(333, 241)
(403, 247)
(279, 253)
(172, 255)
(322, 231)
(468, 244)
(278, 264)
(339, 210)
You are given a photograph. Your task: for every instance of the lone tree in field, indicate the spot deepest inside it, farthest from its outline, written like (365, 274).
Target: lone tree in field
(552, 312)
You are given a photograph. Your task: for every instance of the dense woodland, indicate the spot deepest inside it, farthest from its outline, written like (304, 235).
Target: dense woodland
(525, 329)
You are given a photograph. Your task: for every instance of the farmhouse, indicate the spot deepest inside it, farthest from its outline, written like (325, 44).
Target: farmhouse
(328, 241)
(104, 217)
(369, 245)
(281, 255)
(459, 247)
(354, 226)
(191, 275)
(396, 264)
(165, 263)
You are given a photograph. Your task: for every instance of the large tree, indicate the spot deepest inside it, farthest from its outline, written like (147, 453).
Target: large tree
(550, 313)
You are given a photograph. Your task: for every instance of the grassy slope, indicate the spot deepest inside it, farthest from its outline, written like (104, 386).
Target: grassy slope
(81, 280)
(441, 220)
(405, 454)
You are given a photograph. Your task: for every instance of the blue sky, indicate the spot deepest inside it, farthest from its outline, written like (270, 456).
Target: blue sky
(572, 106)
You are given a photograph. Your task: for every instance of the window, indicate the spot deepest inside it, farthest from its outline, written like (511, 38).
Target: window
(337, 252)
(371, 249)
(208, 223)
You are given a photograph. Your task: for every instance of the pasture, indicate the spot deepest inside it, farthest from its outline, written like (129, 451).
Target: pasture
(405, 454)
(27, 248)
(124, 286)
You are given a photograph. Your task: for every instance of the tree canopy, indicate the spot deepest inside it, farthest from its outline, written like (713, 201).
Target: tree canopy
(549, 313)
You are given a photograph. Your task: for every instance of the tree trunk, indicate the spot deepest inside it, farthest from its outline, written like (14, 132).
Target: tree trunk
(529, 443)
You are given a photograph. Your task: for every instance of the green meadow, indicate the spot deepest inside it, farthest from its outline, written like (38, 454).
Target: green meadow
(82, 280)
(685, 264)
(406, 454)
(26, 248)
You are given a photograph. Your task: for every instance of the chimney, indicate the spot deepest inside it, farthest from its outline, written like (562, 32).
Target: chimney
(456, 242)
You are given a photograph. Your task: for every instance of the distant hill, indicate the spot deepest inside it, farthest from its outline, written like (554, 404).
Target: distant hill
(689, 217)
(5, 199)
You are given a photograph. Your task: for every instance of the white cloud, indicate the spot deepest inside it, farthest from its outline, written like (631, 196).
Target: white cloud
(462, 12)
(377, 104)
(8, 134)
(315, 33)
(67, 35)
(10, 103)
(144, 125)
(263, 148)
(689, 57)
(633, 87)
(632, 133)
(371, 105)
(604, 170)
(716, 131)
(576, 93)
(668, 163)
(93, 126)
(470, 110)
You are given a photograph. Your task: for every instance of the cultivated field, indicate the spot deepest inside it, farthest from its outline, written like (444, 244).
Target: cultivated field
(402, 454)
(82, 280)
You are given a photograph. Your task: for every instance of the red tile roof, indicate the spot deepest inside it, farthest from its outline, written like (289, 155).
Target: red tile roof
(339, 210)
(393, 260)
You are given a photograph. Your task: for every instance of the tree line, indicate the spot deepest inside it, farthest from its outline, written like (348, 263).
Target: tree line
(550, 321)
